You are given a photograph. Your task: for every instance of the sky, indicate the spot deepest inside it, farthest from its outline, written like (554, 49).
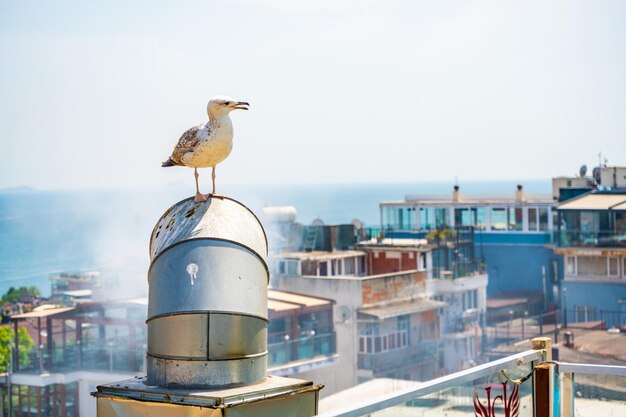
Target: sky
(94, 94)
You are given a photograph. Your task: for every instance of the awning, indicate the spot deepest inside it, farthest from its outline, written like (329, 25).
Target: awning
(276, 306)
(619, 207)
(284, 301)
(401, 308)
(299, 299)
(42, 313)
(595, 202)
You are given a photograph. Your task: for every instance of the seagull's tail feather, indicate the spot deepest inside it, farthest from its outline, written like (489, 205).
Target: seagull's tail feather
(168, 163)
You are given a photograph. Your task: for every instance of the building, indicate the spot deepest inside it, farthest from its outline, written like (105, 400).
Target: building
(591, 237)
(79, 347)
(510, 235)
(394, 319)
(385, 323)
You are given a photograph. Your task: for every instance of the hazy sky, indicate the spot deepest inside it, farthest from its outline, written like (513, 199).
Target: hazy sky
(96, 93)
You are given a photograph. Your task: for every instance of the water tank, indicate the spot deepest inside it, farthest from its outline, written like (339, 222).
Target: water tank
(207, 308)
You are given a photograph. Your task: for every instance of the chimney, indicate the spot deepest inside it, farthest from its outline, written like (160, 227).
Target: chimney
(519, 194)
(207, 320)
(456, 194)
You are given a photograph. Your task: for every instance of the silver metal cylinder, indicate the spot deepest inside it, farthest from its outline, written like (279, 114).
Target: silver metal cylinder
(207, 306)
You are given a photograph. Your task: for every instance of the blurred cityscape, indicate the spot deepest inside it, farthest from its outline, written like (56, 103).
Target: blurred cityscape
(444, 283)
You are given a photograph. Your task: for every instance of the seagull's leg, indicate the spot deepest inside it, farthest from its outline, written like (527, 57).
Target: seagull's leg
(199, 196)
(213, 179)
(214, 194)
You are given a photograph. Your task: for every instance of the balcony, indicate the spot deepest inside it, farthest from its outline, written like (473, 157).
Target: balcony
(426, 350)
(525, 384)
(105, 355)
(594, 238)
(286, 351)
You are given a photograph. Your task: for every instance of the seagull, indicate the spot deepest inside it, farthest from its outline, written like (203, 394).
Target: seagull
(207, 144)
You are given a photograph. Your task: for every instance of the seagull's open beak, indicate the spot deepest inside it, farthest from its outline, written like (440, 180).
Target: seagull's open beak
(240, 105)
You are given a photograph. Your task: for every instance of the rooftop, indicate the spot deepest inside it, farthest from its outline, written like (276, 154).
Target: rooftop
(397, 244)
(469, 200)
(285, 301)
(320, 255)
(400, 308)
(595, 201)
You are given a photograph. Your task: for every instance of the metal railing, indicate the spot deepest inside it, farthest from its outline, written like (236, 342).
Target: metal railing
(590, 238)
(554, 390)
(300, 349)
(436, 385)
(381, 361)
(584, 314)
(108, 355)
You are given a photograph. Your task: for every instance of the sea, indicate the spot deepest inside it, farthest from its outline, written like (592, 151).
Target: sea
(43, 233)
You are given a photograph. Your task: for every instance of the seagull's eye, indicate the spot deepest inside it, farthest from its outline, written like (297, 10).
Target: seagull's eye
(227, 103)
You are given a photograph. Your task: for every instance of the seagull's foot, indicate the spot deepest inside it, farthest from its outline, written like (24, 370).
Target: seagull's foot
(215, 195)
(200, 198)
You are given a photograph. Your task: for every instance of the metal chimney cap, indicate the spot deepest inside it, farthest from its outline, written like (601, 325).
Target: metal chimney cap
(218, 218)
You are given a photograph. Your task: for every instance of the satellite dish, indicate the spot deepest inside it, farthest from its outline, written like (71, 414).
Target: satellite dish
(358, 224)
(583, 170)
(596, 174)
(317, 222)
(345, 314)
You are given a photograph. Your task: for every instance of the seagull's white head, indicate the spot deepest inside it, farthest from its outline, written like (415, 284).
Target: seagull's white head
(222, 105)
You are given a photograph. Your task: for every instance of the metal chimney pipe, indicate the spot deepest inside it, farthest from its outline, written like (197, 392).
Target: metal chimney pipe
(207, 307)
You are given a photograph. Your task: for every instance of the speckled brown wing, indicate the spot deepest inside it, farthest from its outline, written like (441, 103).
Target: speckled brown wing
(186, 143)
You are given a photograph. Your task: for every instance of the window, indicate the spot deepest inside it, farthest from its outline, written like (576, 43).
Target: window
(570, 265)
(515, 218)
(388, 217)
(323, 269)
(543, 218)
(480, 218)
(469, 299)
(427, 218)
(404, 322)
(532, 219)
(371, 329)
(592, 266)
(613, 272)
(349, 266)
(383, 343)
(442, 217)
(498, 218)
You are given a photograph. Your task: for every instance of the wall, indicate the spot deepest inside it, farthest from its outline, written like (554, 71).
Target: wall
(388, 288)
(603, 295)
(514, 267)
(347, 295)
(387, 261)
